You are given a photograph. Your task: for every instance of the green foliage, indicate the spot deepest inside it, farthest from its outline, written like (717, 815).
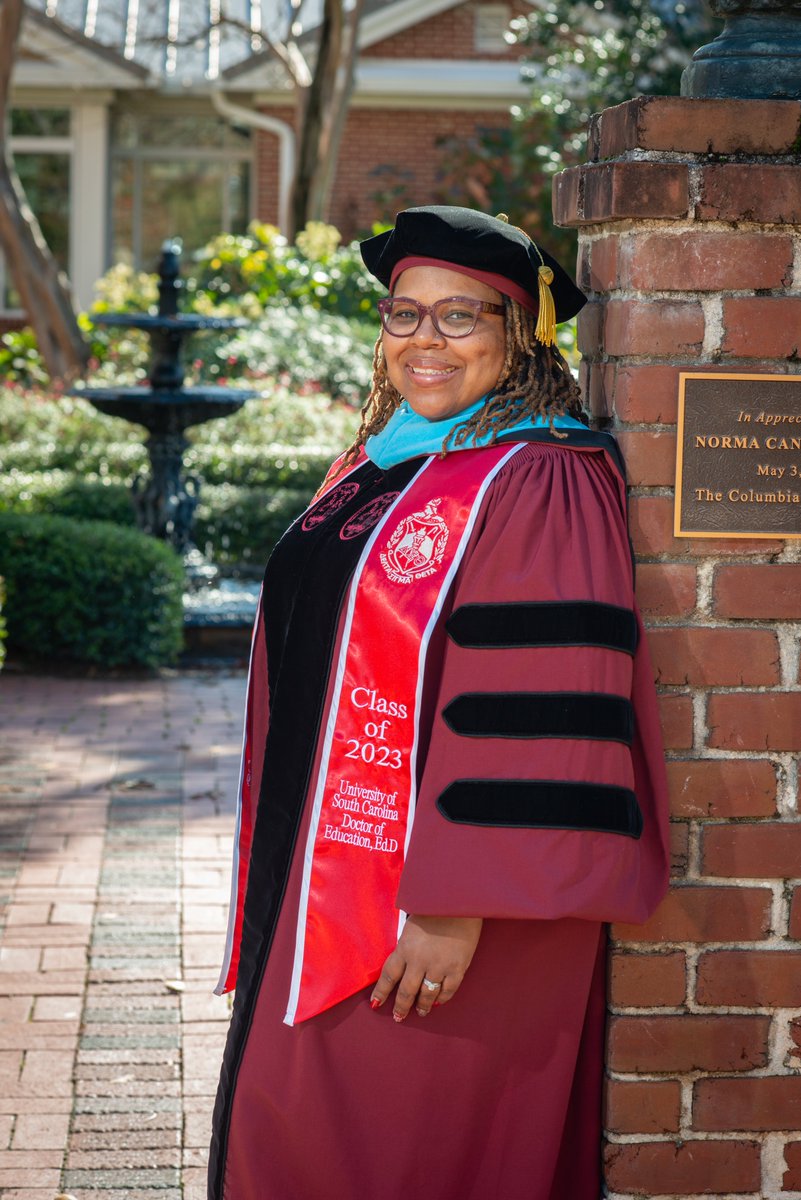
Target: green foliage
(90, 592)
(580, 56)
(258, 468)
(20, 358)
(585, 56)
(234, 525)
(239, 526)
(312, 306)
(281, 440)
(261, 267)
(296, 347)
(62, 494)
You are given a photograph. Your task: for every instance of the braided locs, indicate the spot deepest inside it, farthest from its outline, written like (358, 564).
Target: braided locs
(534, 381)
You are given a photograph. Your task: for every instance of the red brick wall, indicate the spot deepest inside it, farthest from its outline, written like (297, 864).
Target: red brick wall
(391, 158)
(450, 34)
(704, 1055)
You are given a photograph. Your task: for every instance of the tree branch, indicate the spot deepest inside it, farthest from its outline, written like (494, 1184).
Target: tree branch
(43, 290)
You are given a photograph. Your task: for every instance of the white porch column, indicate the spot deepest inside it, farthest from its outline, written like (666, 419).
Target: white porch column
(89, 191)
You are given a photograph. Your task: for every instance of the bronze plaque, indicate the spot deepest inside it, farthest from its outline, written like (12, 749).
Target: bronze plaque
(738, 468)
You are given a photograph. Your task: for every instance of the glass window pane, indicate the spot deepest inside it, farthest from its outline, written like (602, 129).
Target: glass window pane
(46, 180)
(185, 198)
(122, 207)
(150, 130)
(238, 183)
(40, 122)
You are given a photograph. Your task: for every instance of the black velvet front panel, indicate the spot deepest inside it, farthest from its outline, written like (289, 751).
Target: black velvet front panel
(305, 583)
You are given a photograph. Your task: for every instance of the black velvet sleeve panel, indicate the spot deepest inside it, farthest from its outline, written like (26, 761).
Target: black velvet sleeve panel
(583, 715)
(572, 623)
(542, 804)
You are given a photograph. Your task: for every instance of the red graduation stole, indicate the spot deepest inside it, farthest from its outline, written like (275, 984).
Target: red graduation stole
(364, 794)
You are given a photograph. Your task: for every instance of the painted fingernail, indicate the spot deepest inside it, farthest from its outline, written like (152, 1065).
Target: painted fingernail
(421, 1012)
(375, 1003)
(435, 1004)
(397, 1017)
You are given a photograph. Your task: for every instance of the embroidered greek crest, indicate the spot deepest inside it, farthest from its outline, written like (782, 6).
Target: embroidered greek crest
(329, 504)
(367, 516)
(415, 549)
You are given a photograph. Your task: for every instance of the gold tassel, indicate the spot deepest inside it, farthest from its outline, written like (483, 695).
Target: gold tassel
(545, 333)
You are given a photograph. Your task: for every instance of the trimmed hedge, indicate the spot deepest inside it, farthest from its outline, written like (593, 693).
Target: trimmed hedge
(239, 526)
(233, 525)
(90, 592)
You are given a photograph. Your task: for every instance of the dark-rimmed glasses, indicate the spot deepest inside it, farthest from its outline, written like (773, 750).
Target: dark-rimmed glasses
(454, 317)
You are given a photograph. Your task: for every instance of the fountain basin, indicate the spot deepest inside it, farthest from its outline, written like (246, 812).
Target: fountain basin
(166, 410)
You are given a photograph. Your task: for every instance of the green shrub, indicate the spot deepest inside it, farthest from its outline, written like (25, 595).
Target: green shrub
(299, 346)
(90, 592)
(239, 526)
(262, 265)
(285, 439)
(233, 525)
(63, 494)
(259, 276)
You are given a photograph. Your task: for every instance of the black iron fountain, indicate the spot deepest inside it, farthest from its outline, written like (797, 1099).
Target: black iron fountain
(218, 612)
(166, 499)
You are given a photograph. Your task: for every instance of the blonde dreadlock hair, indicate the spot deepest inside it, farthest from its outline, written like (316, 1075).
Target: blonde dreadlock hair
(535, 381)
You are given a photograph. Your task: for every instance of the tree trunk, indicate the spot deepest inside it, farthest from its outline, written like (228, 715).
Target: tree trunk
(338, 112)
(43, 290)
(323, 110)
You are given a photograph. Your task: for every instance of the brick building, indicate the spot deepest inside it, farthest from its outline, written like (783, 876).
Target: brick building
(131, 123)
(689, 219)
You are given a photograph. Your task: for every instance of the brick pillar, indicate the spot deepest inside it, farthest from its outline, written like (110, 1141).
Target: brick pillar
(689, 214)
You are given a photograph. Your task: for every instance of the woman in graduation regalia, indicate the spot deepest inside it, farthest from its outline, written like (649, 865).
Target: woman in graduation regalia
(452, 775)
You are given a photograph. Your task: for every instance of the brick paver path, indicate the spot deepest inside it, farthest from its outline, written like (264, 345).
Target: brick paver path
(116, 802)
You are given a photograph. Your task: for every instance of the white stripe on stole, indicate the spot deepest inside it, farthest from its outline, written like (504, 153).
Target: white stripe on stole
(300, 933)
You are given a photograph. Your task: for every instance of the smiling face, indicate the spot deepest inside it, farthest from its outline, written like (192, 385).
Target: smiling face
(441, 376)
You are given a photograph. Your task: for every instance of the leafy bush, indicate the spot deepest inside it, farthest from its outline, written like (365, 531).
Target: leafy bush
(317, 295)
(239, 526)
(262, 265)
(62, 494)
(301, 347)
(233, 525)
(90, 592)
(284, 440)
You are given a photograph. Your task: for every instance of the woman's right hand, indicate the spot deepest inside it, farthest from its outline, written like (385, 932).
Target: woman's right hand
(430, 950)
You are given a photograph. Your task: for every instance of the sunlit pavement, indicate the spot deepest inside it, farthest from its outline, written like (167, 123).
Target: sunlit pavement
(116, 814)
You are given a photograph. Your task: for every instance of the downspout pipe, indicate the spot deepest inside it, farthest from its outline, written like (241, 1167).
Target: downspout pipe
(236, 114)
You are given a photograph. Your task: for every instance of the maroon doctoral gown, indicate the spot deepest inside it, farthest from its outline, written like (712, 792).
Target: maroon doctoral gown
(542, 813)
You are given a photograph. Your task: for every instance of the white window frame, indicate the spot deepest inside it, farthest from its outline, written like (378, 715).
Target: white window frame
(139, 154)
(490, 21)
(86, 145)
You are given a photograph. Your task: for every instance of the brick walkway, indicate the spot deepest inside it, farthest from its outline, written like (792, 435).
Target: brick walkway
(116, 801)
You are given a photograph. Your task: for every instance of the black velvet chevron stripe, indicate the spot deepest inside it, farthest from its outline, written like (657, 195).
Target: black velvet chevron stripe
(543, 623)
(588, 715)
(542, 804)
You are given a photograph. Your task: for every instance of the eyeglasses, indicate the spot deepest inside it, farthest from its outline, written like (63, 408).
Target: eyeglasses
(454, 317)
